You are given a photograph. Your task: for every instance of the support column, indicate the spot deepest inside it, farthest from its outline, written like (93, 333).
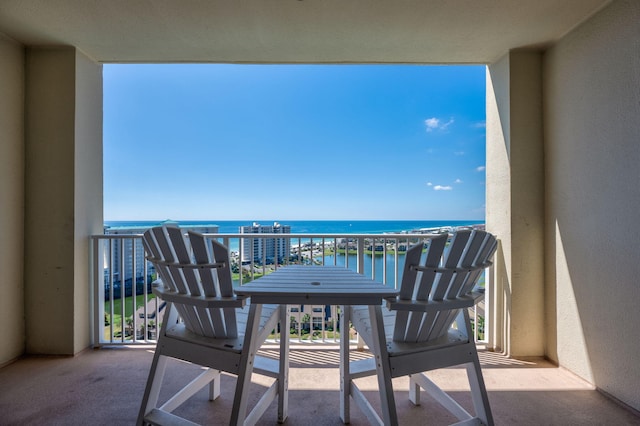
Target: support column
(11, 199)
(63, 196)
(515, 201)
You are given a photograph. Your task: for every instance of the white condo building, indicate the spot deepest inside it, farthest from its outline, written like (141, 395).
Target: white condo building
(123, 267)
(267, 249)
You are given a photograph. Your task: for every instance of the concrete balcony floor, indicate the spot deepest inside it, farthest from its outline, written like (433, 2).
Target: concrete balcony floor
(104, 387)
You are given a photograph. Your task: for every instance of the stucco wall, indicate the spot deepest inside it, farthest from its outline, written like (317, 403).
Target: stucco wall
(498, 196)
(515, 200)
(50, 106)
(11, 199)
(592, 146)
(88, 216)
(63, 203)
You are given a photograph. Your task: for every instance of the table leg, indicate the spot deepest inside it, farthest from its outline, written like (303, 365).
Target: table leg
(345, 380)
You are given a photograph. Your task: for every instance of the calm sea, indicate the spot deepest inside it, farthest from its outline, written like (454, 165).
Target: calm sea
(373, 266)
(315, 226)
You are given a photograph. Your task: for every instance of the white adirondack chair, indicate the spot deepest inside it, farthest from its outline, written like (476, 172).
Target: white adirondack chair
(419, 332)
(206, 323)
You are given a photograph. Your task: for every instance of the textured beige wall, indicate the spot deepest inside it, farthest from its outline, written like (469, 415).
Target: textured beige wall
(498, 195)
(63, 205)
(515, 199)
(11, 199)
(592, 145)
(88, 219)
(49, 204)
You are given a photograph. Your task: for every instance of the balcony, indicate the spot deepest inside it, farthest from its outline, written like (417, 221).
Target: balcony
(562, 135)
(105, 386)
(120, 270)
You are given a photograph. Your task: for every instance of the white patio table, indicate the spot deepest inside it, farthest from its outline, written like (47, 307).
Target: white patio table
(324, 285)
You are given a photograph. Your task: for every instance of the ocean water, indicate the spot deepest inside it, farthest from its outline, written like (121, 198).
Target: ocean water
(315, 226)
(374, 266)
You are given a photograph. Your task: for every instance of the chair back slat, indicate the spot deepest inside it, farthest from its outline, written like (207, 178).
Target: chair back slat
(162, 255)
(153, 251)
(458, 279)
(468, 258)
(221, 254)
(418, 286)
(216, 281)
(471, 243)
(487, 251)
(209, 283)
(225, 284)
(434, 256)
(455, 272)
(177, 258)
(182, 257)
(409, 276)
(166, 255)
(451, 261)
(201, 256)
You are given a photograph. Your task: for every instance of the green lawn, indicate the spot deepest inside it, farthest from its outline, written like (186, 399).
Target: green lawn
(129, 310)
(128, 305)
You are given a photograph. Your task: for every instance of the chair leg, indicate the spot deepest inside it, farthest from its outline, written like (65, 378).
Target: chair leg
(207, 377)
(240, 400)
(476, 381)
(214, 388)
(414, 391)
(283, 376)
(479, 392)
(152, 388)
(383, 367)
(158, 367)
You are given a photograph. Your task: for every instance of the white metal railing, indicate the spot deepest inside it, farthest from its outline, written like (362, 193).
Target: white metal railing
(125, 312)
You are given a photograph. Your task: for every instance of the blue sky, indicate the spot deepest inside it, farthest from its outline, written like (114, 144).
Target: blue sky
(294, 142)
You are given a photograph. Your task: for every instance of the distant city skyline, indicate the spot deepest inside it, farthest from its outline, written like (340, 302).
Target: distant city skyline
(294, 142)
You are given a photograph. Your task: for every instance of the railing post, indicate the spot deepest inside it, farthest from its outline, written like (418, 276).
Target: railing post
(105, 255)
(495, 306)
(360, 250)
(97, 247)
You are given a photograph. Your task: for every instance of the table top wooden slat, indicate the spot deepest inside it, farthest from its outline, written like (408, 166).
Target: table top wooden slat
(331, 285)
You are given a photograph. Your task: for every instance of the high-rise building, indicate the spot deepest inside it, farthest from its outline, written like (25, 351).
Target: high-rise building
(124, 257)
(265, 249)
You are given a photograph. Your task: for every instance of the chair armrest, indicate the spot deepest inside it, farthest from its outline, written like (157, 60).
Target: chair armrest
(396, 304)
(199, 301)
(456, 270)
(186, 265)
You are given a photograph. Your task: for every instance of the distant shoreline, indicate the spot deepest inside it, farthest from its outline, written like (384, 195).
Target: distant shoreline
(316, 226)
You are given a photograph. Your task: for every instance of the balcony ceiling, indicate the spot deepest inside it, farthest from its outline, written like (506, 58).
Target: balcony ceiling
(290, 31)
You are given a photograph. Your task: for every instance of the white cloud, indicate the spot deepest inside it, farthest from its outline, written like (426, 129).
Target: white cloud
(447, 124)
(434, 123)
(458, 181)
(480, 169)
(431, 123)
(480, 125)
(442, 188)
(429, 184)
